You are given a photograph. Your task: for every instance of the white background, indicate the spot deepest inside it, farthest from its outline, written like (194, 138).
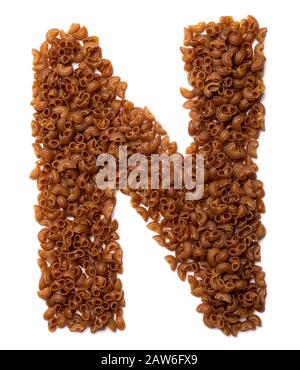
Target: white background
(142, 40)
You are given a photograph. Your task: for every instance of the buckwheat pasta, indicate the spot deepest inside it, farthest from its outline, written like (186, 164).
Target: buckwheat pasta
(78, 261)
(82, 112)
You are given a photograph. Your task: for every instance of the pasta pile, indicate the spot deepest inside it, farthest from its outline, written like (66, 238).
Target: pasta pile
(225, 72)
(82, 112)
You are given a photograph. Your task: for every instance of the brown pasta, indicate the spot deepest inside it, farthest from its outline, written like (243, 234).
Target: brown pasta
(239, 66)
(79, 259)
(82, 112)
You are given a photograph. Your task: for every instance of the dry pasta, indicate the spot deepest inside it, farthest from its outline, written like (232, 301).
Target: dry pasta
(81, 112)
